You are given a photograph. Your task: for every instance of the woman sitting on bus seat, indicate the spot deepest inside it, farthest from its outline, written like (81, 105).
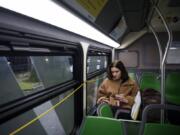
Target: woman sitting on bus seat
(118, 90)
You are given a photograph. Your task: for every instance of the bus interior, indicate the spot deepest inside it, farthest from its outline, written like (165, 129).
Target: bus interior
(49, 76)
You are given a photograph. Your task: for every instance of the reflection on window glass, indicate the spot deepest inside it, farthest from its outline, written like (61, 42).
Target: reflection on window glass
(96, 63)
(37, 72)
(53, 69)
(92, 91)
(23, 75)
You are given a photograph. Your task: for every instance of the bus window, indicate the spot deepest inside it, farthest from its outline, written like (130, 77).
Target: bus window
(24, 75)
(96, 63)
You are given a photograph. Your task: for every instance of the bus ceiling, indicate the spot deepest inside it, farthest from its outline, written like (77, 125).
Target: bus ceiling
(114, 18)
(124, 20)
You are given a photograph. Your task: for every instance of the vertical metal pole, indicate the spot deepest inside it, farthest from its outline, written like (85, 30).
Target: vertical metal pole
(161, 57)
(163, 61)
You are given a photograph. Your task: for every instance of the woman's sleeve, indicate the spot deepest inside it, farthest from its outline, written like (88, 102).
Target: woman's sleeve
(134, 90)
(132, 94)
(102, 93)
(101, 90)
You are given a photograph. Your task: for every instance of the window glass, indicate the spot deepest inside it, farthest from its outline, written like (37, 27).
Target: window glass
(92, 90)
(23, 75)
(96, 63)
(59, 121)
(53, 69)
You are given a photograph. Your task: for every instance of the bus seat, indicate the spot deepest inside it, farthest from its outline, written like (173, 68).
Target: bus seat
(104, 110)
(173, 88)
(158, 128)
(149, 80)
(93, 125)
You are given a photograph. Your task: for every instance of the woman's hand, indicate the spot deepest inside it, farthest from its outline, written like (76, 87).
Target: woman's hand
(103, 100)
(121, 98)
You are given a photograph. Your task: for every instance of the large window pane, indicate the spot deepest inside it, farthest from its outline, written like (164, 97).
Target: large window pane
(9, 88)
(54, 69)
(92, 91)
(96, 63)
(23, 75)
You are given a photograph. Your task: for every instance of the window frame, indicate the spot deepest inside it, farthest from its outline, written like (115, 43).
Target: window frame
(14, 45)
(96, 51)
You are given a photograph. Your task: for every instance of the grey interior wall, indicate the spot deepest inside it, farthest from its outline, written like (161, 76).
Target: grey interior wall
(148, 51)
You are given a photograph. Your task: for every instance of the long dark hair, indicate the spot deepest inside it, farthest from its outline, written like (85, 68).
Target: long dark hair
(120, 66)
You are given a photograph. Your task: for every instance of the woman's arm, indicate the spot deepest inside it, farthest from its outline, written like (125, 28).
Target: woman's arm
(130, 97)
(102, 95)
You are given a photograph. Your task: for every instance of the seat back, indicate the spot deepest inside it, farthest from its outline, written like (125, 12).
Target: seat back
(93, 125)
(150, 80)
(158, 128)
(173, 88)
(104, 110)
